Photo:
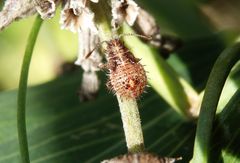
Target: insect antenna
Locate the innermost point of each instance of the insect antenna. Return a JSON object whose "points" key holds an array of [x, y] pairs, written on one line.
{"points": [[96, 47], [137, 35]]}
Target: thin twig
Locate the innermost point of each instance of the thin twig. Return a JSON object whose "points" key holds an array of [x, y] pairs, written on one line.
{"points": [[22, 92]]}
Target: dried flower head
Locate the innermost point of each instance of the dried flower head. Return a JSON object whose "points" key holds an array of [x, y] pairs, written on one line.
{"points": [[141, 158], [90, 82], [77, 16], [124, 10], [147, 26], [14, 10], [88, 40], [46, 8]]}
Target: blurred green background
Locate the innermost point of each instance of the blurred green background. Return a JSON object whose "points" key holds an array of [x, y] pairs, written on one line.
{"points": [[54, 47]]}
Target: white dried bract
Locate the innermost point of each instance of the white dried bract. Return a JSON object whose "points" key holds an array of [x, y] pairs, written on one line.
{"points": [[46, 8], [124, 10], [88, 40], [77, 16], [89, 87], [147, 26], [14, 10], [76, 5], [147, 23]]}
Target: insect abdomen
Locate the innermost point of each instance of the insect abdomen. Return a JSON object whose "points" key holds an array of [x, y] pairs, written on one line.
{"points": [[128, 80]]}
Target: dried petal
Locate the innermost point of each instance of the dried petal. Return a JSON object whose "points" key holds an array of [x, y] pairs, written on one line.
{"points": [[117, 14], [69, 20], [77, 19], [132, 12], [95, 1], [46, 8], [124, 10], [15, 9], [146, 25], [88, 40], [86, 20], [89, 87], [141, 158], [76, 6]]}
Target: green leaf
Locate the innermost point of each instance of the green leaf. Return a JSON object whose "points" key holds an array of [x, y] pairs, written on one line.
{"points": [[61, 129], [228, 127], [216, 81]]}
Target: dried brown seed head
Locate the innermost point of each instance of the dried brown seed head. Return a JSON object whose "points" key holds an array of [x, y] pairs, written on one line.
{"points": [[141, 158]]}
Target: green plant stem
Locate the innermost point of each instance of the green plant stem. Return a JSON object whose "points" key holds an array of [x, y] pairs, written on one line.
{"points": [[217, 78], [128, 106], [22, 92], [131, 124]]}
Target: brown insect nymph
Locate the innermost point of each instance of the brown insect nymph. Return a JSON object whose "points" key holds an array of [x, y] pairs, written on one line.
{"points": [[127, 76]]}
